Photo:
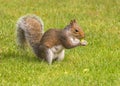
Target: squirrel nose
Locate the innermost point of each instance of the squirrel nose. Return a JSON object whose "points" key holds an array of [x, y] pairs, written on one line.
{"points": [[82, 35]]}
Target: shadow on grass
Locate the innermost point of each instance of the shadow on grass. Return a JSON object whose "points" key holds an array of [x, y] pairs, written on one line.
{"points": [[19, 55]]}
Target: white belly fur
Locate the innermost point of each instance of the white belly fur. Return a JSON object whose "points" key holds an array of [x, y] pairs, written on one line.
{"points": [[57, 51]]}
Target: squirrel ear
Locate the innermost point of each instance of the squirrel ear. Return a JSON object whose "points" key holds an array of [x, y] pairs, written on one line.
{"points": [[73, 21]]}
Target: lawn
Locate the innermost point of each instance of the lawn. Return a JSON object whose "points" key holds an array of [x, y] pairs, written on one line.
{"points": [[97, 64]]}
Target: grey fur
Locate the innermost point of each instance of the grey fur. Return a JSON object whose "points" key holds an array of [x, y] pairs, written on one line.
{"points": [[22, 31]]}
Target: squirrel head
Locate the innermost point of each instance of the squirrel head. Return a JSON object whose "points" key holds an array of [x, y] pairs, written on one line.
{"points": [[76, 30]]}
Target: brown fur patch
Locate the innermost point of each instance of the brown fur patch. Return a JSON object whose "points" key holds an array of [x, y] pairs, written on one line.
{"points": [[51, 38], [33, 30]]}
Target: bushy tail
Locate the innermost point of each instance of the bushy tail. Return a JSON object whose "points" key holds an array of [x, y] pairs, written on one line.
{"points": [[29, 30], [21, 41]]}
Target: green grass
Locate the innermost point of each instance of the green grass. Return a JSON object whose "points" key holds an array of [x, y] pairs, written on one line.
{"points": [[97, 64]]}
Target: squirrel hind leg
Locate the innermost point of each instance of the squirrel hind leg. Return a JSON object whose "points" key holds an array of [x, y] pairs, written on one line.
{"points": [[21, 41], [46, 54], [49, 56]]}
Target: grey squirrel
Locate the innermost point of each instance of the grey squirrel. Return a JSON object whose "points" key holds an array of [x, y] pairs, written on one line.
{"points": [[50, 45]]}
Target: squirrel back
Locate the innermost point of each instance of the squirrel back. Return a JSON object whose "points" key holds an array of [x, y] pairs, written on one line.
{"points": [[29, 30]]}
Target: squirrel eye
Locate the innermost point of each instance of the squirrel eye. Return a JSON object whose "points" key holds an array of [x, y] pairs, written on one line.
{"points": [[76, 30]]}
